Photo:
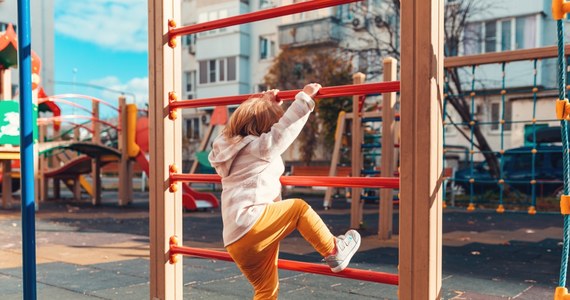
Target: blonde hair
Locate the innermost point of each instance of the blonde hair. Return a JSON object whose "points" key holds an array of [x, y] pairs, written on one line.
{"points": [[255, 116]]}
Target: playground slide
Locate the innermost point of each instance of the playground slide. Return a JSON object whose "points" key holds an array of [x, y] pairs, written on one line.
{"points": [[191, 199], [138, 143]]}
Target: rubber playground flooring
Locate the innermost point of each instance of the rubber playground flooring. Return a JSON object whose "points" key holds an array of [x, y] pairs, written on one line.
{"points": [[86, 252]]}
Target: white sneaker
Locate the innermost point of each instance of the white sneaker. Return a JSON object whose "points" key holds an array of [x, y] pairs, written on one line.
{"points": [[346, 245]]}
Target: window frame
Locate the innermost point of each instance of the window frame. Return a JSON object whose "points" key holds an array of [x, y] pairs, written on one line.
{"points": [[220, 70]]}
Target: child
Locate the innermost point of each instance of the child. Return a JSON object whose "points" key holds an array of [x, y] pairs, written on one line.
{"points": [[247, 155]]}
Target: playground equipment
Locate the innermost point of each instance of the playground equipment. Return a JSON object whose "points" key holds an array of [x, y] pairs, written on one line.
{"points": [[422, 78], [531, 119], [389, 160]]}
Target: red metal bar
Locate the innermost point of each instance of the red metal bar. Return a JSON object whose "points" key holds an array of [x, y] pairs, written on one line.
{"points": [[363, 182], [257, 16], [79, 96], [366, 275], [85, 109], [63, 119], [325, 92]]}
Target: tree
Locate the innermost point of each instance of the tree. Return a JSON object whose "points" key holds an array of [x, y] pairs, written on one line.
{"points": [[295, 67], [380, 22], [457, 33]]}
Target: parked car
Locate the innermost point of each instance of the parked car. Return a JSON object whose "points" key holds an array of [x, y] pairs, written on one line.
{"points": [[517, 168]]}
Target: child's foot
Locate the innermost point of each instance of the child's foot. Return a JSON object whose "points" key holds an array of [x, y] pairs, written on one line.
{"points": [[345, 247]]}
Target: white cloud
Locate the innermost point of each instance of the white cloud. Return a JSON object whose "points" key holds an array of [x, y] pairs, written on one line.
{"points": [[114, 24], [136, 89]]}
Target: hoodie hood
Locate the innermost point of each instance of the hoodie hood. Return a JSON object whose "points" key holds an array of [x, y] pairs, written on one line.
{"points": [[224, 152]]}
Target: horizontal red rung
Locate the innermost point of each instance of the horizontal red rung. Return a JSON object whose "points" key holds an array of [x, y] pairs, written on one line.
{"points": [[379, 182], [325, 92], [257, 16], [291, 265]]}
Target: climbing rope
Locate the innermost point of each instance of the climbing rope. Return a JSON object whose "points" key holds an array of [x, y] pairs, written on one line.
{"points": [[562, 108], [471, 206]]}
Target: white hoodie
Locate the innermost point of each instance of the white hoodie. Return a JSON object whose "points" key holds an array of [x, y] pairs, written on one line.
{"points": [[250, 168]]}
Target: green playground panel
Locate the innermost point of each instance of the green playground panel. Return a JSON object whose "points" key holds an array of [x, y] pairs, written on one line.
{"points": [[10, 122]]}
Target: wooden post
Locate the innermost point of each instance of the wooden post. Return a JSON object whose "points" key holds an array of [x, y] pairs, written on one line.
{"points": [[6, 183], [202, 147], [76, 189], [327, 203], [165, 149], [355, 206], [5, 84], [96, 162], [421, 145], [124, 176], [386, 207], [6, 94]]}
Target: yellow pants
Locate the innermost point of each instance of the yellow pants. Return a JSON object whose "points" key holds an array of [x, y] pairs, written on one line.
{"points": [[256, 253]]}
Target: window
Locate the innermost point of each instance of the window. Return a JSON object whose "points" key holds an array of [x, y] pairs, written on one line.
{"points": [[231, 68], [266, 48], [490, 36], [266, 4], [525, 32], [190, 81], [496, 115], [500, 35], [506, 35], [472, 38], [217, 70], [193, 129], [212, 16], [4, 26]]}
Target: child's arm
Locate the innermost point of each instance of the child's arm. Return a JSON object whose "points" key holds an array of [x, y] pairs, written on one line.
{"points": [[286, 130]]}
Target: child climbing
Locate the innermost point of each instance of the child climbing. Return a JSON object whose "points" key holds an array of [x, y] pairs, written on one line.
{"points": [[247, 155]]}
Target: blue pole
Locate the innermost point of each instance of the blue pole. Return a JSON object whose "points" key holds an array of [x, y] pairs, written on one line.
{"points": [[27, 151]]}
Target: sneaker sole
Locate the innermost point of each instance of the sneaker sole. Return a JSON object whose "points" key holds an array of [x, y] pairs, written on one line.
{"points": [[345, 263]]}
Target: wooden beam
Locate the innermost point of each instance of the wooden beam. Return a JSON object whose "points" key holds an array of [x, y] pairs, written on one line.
{"points": [[356, 149], [327, 203], [503, 56], [124, 193], [165, 212], [96, 163], [421, 149], [386, 207]]}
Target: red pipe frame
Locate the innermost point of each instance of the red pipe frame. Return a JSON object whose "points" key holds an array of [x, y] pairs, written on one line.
{"points": [[325, 92], [256, 16], [331, 181], [366, 275]]}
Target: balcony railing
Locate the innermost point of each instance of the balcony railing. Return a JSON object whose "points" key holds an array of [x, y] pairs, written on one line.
{"points": [[310, 33]]}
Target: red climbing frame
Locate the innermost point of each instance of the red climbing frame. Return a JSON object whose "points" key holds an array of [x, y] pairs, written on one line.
{"points": [[365, 275]]}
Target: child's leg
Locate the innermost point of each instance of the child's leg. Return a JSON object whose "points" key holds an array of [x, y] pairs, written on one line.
{"points": [[256, 253]]}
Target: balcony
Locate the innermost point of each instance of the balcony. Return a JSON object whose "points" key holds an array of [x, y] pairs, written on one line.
{"points": [[311, 33]]}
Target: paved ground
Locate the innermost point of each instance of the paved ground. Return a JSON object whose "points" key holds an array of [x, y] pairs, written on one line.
{"points": [[86, 252]]}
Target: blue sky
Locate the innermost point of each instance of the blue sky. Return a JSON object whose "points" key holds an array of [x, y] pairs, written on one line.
{"points": [[102, 43]]}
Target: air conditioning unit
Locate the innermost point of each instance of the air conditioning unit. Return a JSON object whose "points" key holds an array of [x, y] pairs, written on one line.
{"points": [[359, 23]]}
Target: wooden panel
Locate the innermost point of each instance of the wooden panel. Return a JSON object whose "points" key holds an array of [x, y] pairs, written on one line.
{"points": [[356, 149], [503, 56], [165, 148], [386, 207], [421, 149]]}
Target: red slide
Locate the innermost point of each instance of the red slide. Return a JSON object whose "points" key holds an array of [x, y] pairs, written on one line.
{"points": [[191, 200]]}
